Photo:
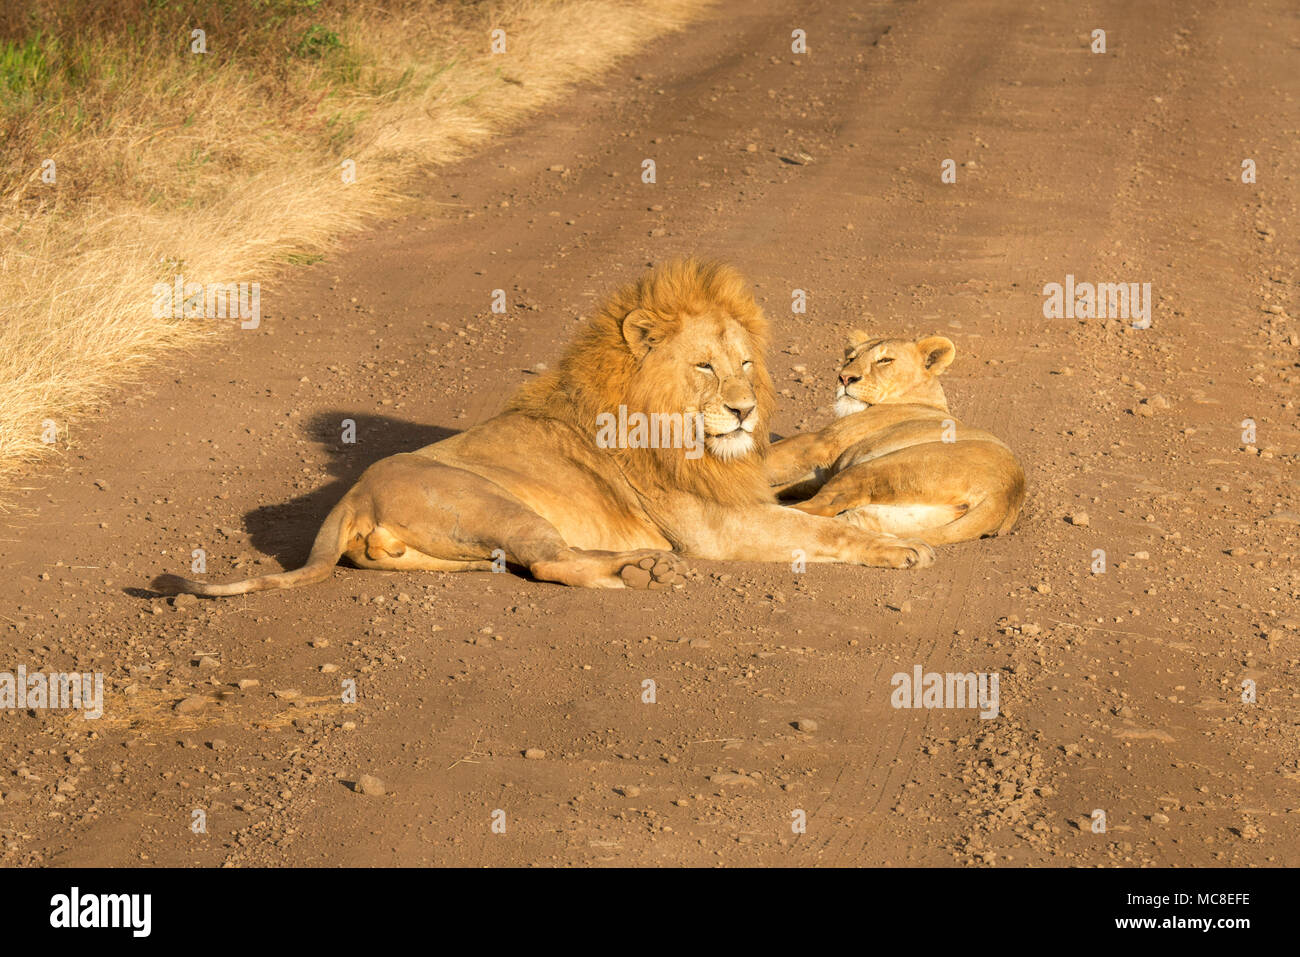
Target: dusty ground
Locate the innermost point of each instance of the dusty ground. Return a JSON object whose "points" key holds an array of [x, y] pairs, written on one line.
{"points": [[1121, 691]]}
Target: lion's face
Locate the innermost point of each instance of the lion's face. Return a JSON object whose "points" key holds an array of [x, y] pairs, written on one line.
{"points": [[707, 365], [877, 371]]}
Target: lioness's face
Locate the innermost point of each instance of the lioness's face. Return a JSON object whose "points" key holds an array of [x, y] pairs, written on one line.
{"points": [[877, 371], [709, 365]]}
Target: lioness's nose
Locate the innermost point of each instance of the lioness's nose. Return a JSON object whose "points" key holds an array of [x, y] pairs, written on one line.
{"points": [[741, 409], [847, 379]]}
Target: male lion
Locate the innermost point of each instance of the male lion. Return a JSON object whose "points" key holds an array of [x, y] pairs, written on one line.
{"points": [[896, 461], [538, 485]]}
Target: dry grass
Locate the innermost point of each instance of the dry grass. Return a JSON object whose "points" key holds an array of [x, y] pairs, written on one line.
{"points": [[226, 166]]}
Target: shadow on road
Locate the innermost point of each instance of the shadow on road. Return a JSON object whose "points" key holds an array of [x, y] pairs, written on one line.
{"points": [[286, 530]]}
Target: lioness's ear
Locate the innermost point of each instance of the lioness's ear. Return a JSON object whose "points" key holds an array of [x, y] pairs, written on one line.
{"points": [[937, 353], [641, 332], [856, 338]]}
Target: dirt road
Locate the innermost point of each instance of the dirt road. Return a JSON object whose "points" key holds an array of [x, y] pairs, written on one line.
{"points": [[1121, 691]]}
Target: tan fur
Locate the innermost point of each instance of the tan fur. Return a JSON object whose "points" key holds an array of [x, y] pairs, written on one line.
{"points": [[534, 487], [884, 465]]}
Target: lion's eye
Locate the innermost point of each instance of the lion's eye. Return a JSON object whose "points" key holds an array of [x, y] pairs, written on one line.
{"points": [[884, 360], [704, 367]]}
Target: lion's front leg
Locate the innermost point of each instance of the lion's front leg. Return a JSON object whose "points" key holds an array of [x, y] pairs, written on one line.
{"points": [[799, 465], [795, 459], [772, 533]]}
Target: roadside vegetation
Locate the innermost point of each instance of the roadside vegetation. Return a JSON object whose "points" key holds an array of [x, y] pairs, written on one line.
{"points": [[142, 139]]}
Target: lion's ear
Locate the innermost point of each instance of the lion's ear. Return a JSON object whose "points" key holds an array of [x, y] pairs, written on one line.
{"points": [[641, 331], [856, 338], [937, 353]]}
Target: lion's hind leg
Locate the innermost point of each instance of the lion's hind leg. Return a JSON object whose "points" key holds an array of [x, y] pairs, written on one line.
{"points": [[590, 568], [443, 518], [918, 493]]}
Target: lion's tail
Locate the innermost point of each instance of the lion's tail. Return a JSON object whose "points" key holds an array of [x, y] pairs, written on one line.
{"points": [[330, 543]]}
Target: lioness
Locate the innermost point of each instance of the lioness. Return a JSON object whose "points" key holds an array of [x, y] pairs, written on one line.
{"points": [[539, 486], [895, 460]]}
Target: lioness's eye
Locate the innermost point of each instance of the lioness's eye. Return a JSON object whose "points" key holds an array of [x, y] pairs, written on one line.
{"points": [[884, 361], [704, 367]]}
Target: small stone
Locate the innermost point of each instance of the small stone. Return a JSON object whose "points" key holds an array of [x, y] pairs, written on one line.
{"points": [[1159, 818], [245, 683], [191, 705], [630, 791], [732, 777], [217, 744], [1078, 519], [806, 725], [328, 669], [370, 786], [534, 754], [184, 600]]}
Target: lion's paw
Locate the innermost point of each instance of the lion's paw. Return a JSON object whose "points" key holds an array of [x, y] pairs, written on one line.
{"points": [[657, 571], [905, 553]]}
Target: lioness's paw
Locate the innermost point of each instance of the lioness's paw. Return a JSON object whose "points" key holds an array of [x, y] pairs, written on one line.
{"points": [[662, 570], [905, 553]]}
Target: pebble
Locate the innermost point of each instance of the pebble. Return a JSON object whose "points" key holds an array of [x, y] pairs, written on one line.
{"points": [[806, 725], [731, 777], [534, 754], [191, 705], [1078, 519], [370, 786]]}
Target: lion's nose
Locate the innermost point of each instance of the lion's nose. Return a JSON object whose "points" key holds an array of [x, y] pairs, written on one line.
{"points": [[741, 409], [847, 380]]}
